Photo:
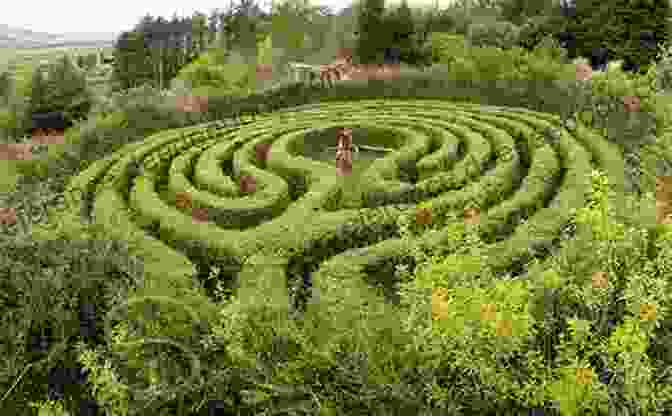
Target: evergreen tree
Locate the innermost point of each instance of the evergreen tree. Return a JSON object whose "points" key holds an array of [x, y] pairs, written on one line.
{"points": [[67, 89], [213, 27], [6, 86], [399, 24], [372, 37], [517, 11], [39, 90], [617, 25], [131, 66]]}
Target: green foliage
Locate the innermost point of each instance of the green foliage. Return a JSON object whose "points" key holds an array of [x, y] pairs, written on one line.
{"points": [[232, 78], [502, 35], [372, 38], [39, 92], [67, 89], [617, 24], [518, 11]]}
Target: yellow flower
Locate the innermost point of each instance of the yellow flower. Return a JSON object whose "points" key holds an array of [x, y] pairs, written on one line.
{"points": [[504, 328], [600, 280], [440, 306], [488, 312], [584, 376], [647, 312]]}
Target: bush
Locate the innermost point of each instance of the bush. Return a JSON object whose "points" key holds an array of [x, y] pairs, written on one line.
{"points": [[502, 35], [231, 78]]}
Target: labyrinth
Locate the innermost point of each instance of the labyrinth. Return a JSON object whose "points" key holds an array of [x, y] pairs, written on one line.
{"points": [[175, 197]]}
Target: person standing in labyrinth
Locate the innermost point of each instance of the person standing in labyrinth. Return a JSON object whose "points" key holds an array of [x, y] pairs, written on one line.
{"points": [[344, 152]]}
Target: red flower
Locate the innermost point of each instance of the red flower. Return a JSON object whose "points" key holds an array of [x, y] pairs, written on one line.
{"points": [[248, 184], [583, 72], [8, 216], [199, 214], [192, 104], [262, 150], [264, 71], [631, 103]]}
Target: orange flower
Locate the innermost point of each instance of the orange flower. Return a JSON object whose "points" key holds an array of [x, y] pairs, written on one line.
{"points": [[504, 328], [199, 214], [8, 216], [488, 312], [423, 216], [583, 72], [631, 103], [584, 376], [472, 216], [183, 200], [600, 280], [647, 312]]}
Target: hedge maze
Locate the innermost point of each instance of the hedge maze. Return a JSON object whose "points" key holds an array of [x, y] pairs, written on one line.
{"points": [[176, 197]]}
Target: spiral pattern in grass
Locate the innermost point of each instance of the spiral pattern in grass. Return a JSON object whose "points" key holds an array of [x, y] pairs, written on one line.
{"points": [[299, 221]]}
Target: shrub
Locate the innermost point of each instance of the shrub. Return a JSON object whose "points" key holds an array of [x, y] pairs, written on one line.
{"points": [[502, 35]]}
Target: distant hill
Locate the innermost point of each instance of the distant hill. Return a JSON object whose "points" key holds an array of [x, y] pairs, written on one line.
{"points": [[16, 38]]}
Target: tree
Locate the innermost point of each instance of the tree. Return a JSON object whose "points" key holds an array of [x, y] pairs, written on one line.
{"points": [[68, 90], [213, 26], [297, 29], [618, 26], [6, 86], [516, 11], [132, 66], [372, 36], [400, 25], [39, 90]]}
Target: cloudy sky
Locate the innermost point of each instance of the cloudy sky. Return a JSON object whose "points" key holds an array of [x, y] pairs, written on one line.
{"points": [[68, 16]]}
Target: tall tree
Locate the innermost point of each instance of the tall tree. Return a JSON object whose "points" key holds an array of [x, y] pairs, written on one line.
{"points": [[68, 89], [372, 37], [131, 66], [39, 92], [199, 30], [213, 26]]}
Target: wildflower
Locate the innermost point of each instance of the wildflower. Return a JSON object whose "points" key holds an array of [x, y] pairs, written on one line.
{"points": [[192, 104], [504, 328], [199, 214], [423, 216], [647, 312], [631, 104], [248, 184], [488, 312], [8, 216], [183, 200], [600, 280], [472, 216], [264, 71], [440, 306], [583, 72], [584, 376], [262, 150]]}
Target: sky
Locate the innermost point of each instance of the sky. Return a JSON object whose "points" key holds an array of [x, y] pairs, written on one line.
{"points": [[84, 16]]}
